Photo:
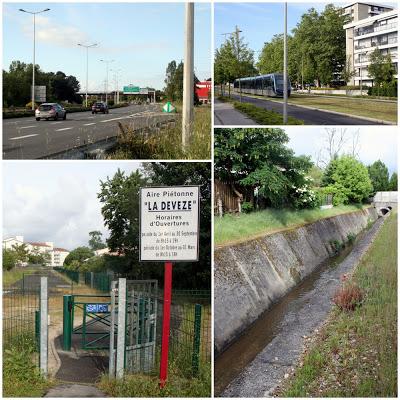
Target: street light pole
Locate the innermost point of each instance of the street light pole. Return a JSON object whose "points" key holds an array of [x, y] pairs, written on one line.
{"points": [[236, 33], [87, 67], [107, 62], [285, 82], [188, 79], [34, 49], [116, 72]]}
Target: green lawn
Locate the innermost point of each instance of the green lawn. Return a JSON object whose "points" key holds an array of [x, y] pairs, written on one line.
{"points": [[386, 111], [240, 227], [355, 355]]}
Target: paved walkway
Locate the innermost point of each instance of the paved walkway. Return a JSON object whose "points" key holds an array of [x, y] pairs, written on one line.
{"points": [[225, 114], [74, 390]]}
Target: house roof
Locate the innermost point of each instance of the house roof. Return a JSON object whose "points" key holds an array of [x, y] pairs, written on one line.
{"points": [[38, 244], [60, 249]]}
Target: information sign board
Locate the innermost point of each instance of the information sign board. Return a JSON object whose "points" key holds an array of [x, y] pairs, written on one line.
{"points": [[169, 223]]}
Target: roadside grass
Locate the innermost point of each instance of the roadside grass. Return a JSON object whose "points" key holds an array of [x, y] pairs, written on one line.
{"points": [[386, 111], [166, 144], [140, 385], [16, 274], [261, 115], [237, 227], [355, 354], [21, 376]]}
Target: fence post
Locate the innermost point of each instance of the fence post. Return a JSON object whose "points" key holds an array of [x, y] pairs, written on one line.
{"points": [[37, 329], [91, 279], [196, 339], [121, 328], [67, 322], [111, 367], [44, 328]]}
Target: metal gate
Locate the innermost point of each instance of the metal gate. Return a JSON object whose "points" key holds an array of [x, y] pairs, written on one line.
{"points": [[94, 331], [133, 345]]}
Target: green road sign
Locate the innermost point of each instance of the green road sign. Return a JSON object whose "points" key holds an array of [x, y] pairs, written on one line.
{"points": [[169, 108], [131, 89]]}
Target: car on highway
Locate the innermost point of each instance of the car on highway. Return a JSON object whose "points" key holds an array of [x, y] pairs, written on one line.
{"points": [[100, 106], [50, 110]]}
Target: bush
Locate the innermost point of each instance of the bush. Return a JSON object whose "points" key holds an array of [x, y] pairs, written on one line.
{"points": [[348, 297], [247, 207], [304, 197], [29, 105], [351, 238], [387, 89]]}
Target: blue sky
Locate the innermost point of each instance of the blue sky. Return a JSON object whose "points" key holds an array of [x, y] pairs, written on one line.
{"points": [[141, 37], [259, 22]]}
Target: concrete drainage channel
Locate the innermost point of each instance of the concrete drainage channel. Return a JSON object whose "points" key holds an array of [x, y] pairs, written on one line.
{"points": [[256, 363], [101, 148]]}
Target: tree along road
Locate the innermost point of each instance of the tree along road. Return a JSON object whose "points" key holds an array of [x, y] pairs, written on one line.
{"points": [[26, 138], [310, 117]]}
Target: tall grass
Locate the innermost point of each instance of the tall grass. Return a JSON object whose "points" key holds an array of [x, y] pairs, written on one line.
{"points": [[231, 228], [167, 143], [356, 353]]}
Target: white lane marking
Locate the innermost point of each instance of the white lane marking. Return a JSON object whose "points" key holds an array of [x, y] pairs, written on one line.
{"points": [[23, 137], [114, 119], [25, 127], [92, 123], [63, 129], [58, 122]]}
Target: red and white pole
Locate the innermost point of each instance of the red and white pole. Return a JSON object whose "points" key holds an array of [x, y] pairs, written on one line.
{"points": [[166, 323]]}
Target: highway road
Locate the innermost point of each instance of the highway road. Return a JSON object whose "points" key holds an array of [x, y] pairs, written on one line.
{"points": [[26, 138], [310, 117]]}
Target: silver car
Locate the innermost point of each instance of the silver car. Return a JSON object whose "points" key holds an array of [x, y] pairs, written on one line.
{"points": [[50, 110]]}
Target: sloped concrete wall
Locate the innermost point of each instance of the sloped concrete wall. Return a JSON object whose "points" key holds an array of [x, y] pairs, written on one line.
{"points": [[250, 276]]}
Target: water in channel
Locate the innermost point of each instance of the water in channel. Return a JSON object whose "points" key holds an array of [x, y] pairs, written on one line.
{"points": [[240, 353]]}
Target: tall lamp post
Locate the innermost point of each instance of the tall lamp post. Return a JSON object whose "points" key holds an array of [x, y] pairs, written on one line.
{"points": [[285, 82], [236, 33], [34, 48], [107, 62], [116, 74], [87, 47]]}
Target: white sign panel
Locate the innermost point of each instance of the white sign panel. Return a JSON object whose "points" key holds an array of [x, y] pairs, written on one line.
{"points": [[40, 93], [169, 223]]}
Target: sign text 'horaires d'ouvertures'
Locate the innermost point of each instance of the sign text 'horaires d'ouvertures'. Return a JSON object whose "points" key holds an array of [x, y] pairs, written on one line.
{"points": [[169, 223]]}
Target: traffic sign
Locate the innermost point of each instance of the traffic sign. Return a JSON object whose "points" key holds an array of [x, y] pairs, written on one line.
{"points": [[169, 108], [130, 89], [40, 93], [169, 223]]}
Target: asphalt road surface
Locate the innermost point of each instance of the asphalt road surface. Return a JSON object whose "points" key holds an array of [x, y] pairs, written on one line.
{"points": [[26, 138], [310, 117]]}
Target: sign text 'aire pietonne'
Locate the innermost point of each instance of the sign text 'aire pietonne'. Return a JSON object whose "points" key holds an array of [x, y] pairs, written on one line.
{"points": [[169, 223]]}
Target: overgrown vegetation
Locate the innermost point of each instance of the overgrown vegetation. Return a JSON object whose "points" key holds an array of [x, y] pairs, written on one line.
{"points": [[231, 228], [166, 143], [147, 385], [21, 376], [355, 355]]}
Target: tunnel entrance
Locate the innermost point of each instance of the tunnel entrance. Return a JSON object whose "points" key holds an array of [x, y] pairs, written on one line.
{"points": [[384, 211]]}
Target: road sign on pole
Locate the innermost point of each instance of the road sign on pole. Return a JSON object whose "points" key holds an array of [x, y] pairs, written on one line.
{"points": [[169, 231]]}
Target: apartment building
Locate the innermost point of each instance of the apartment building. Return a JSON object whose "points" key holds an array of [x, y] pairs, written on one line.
{"points": [[371, 26], [57, 255]]}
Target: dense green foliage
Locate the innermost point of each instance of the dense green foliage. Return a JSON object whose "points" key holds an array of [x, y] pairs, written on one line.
{"points": [[348, 180], [233, 60], [379, 176], [9, 259], [95, 241], [258, 160], [77, 257], [393, 182], [382, 71], [316, 50], [17, 83], [120, 198]]}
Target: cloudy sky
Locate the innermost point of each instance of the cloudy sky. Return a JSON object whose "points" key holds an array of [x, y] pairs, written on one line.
{"points": [[375, 143], [55, 201], [141, 38]]}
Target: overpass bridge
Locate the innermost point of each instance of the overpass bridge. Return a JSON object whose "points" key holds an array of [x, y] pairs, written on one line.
{"points": [[385, 201]]}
